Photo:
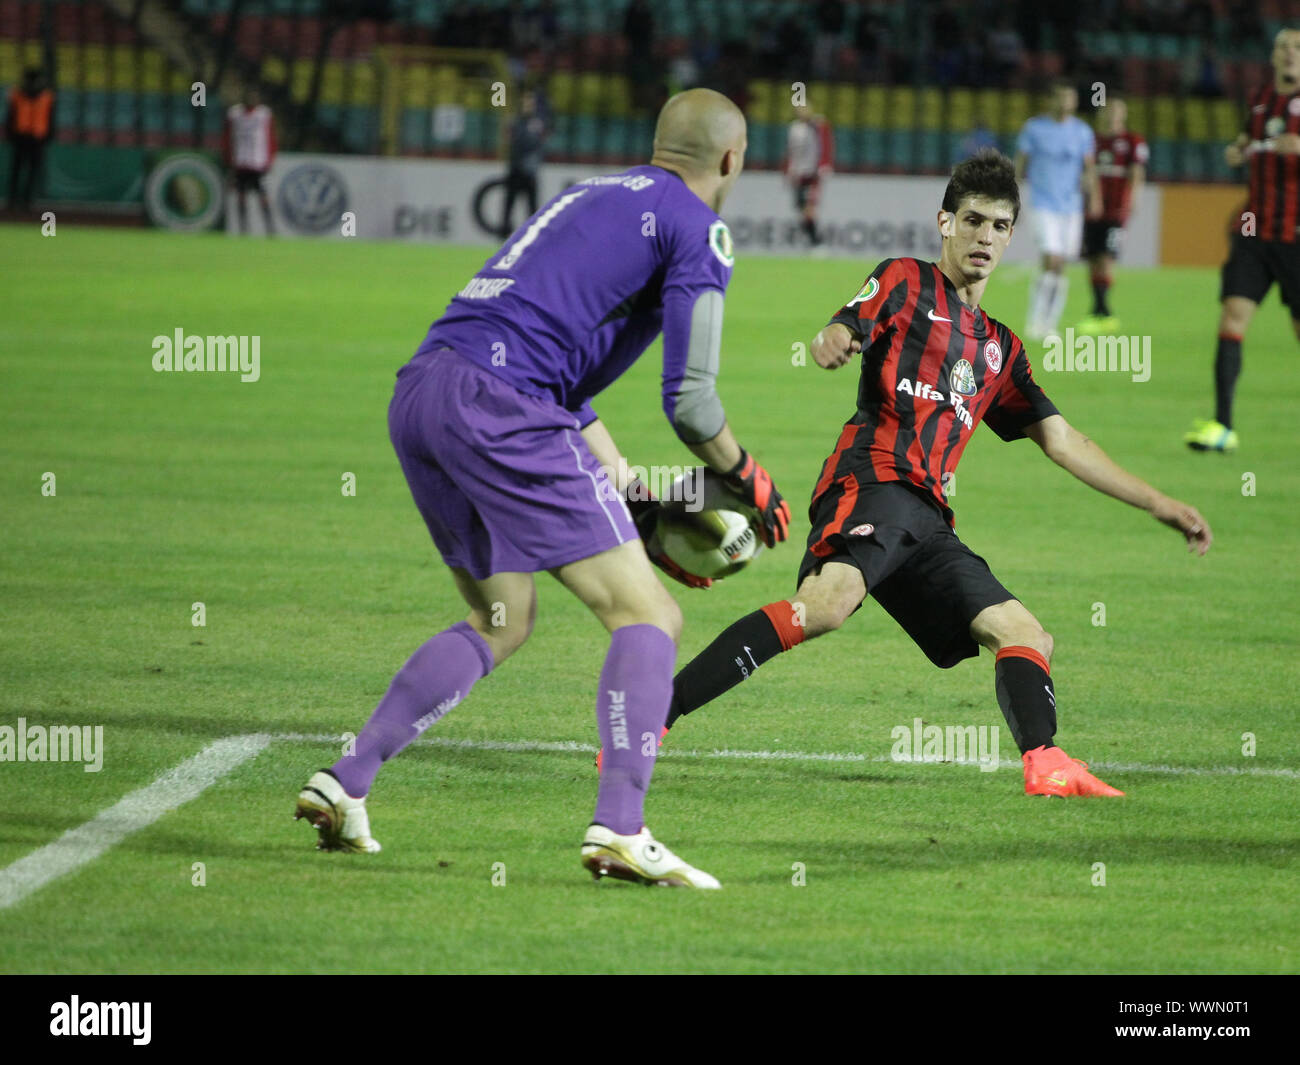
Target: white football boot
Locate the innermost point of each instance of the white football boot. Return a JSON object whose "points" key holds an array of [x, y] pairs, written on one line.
{"points": [[339, 818], [640, 858]]}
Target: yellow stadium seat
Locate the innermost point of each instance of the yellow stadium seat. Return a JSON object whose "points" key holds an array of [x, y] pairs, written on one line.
{"points": [[1196, 119], [590, 94], [1226, 120], [844, 105], [10, 68], [333, 82], [818, 97], [153, 70], [760, 101], [618, 96], [1164, 114], [901, 111], [123, 62], [931, 109], [1017, 109], [1139, 115], [416, 85], [94, 67], [560, 92], [988, 108], [274, 70], [960, 111], [873, 106], [364, 85]]}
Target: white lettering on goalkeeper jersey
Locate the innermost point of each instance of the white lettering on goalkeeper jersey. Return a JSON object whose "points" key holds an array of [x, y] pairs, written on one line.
{"points": [[485, 288]]}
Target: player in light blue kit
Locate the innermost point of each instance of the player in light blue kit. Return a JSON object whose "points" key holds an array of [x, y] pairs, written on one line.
{"points": [[506, 459], [1057, 153]]}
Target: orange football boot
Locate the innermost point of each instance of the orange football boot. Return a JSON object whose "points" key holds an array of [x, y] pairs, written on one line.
{"points": [[1050, 771]]}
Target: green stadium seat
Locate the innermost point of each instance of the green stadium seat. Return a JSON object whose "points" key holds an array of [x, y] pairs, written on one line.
{"points": [[1163, 164], [930, 152], [874, 147], [760, 150], [560, 141], [415, 130], [848, 148], [66, 105], [586, 136], [153, 112], [359, 129], [1195, 162], [902, 150], [956, 148]]}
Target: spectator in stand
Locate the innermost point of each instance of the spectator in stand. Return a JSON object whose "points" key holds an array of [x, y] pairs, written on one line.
{"points": [[527, 143], [1205, 81], [248, 146], [830, 19], [29, 126], [642, 71], [1006, 52]]}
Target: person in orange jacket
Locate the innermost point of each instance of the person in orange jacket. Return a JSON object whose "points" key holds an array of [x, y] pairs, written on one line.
{"points": [[29, 126]]}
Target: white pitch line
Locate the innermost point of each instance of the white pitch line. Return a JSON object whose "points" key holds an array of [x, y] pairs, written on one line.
{"points": [[133, 812], [573, 747], [188, 780]]}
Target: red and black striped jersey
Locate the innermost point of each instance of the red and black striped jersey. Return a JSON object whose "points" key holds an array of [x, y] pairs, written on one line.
{"points": [[932, 370], [1117, 154], [1274, 176]]}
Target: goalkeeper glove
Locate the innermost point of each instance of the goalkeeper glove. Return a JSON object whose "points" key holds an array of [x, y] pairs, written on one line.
{"points": [[645, 513], [753, 484]]}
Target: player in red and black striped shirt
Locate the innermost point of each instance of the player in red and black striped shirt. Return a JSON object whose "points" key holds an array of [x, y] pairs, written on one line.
{"points": [[1121, 168], [1265, 246], [934, 365]]}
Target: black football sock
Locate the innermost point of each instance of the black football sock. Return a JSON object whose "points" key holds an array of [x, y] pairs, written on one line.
{"points": [[1100, 286], [810, 227], [733, 656], [1026, 696], [1227, 368]]}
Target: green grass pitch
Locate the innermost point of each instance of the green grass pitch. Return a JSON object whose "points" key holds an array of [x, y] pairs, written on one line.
{"points": [[176, 489]]}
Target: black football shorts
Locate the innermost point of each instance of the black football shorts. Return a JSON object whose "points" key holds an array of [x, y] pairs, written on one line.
{"points": [[1102, 237], [914, 565], [1253, 265]]}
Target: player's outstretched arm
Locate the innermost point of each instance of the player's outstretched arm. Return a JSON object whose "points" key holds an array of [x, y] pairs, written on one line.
{"points": [[1073, 451], [834, 346]]}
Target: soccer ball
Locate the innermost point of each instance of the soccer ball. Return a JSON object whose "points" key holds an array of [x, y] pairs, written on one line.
{"points": [[705, 528]]}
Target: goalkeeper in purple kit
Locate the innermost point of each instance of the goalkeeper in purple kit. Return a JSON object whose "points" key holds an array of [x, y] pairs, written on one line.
{"points": [[509, 465]]}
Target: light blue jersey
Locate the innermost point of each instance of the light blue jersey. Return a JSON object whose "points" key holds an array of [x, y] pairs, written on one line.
{"points": [[1056, 151]]}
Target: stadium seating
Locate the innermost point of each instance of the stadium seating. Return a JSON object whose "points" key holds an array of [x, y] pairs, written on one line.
{"points": [[117, 89]]}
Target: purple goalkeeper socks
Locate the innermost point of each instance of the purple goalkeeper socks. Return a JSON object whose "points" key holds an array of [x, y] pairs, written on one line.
{"points": [[636, 685], [437, 677]]}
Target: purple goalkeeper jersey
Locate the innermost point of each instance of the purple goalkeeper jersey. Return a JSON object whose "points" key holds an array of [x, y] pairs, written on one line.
{"points": [[584, 286]]}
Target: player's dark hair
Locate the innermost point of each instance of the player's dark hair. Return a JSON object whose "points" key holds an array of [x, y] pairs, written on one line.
{"points": [[987, 173]]}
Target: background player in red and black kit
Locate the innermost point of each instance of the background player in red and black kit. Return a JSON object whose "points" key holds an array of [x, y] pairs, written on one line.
{"points": [[934, 365], [1264, 247], [1121, 167]]}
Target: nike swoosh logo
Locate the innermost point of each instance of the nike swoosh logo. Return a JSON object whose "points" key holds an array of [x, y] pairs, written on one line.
{"points": [[1058, 780], [935, 317]]}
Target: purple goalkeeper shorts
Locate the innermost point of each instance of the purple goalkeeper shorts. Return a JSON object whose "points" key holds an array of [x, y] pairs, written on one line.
{"points": [[504, 480]]}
